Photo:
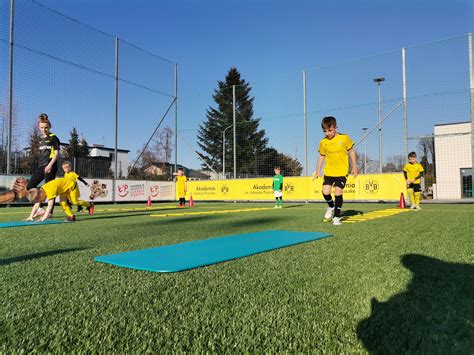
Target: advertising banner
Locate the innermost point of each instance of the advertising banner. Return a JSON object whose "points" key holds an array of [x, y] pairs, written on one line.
{"points": [[100, 190], [376, 187]]}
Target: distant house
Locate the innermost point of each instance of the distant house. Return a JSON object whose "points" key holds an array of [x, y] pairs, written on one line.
{"points": [[98, 150], [453, 147], [160, 169]]}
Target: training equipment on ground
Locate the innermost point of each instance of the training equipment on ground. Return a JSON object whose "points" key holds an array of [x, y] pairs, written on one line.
{"points": [[29, 224], [401, 203], [191, 201], [148, 202], [190, 255]]}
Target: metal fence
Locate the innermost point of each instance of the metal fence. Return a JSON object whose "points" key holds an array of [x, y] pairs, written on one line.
{"points": [[423, 88], [121, 101], [104, 96]]}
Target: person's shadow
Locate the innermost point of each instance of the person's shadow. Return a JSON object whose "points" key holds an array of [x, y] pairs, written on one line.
{"points": [[434, 315]]}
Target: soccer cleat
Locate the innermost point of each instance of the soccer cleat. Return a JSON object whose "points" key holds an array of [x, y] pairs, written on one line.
{"points": [[70, 219], [39, 212], [329, 213], [413, 207], [276, 206], [417, 208], [79, 208], [280, 206], [90, 209], [336, 221]]}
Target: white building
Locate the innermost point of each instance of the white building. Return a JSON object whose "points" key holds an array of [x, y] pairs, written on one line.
{"points": [[453, 149], [98, 150]]}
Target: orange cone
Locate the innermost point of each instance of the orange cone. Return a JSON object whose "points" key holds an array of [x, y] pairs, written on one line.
{"points": [[401, 204], [191, 201], [148, 203]]}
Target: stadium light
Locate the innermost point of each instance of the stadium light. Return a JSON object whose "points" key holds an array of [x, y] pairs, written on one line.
{"points": [[365, 149], [378, 81]]}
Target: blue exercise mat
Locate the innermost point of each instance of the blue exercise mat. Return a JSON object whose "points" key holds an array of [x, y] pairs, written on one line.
{"points": [[190, 255], [29, 224]]}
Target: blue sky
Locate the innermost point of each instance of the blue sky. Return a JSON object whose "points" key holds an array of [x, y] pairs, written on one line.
{"points": [[270, 42]]}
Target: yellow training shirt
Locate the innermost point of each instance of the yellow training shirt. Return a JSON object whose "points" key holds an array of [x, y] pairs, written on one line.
{"points": [[57, 187], [71, 175], [180, 181], [413, 170], [335, 151]]}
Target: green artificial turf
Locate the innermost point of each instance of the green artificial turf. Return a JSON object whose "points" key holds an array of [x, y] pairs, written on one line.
{"points": [[397, 284]]}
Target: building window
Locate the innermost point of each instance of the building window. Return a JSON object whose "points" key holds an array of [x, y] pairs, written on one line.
{"points": [[466, 183]]}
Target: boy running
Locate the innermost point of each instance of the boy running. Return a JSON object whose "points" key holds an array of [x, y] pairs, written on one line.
{"points": [[335, 148]]}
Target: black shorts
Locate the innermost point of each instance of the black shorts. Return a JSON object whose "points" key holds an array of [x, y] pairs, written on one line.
{"points": [[338, 181], [415, 187]]}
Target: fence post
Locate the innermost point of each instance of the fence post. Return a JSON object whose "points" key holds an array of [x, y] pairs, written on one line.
{"points": [[471, 86], [405, 116], [114, 180], [305, 114], [10, 88], [175, 117], [235, 132]]}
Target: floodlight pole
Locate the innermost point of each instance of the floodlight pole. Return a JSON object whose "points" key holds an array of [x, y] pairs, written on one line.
{"points": [[235, 133], [10, 89], [471, 86], [175, 117], [305, 116], [405, 115], [365, 149], [378, 81], [114, 181]]}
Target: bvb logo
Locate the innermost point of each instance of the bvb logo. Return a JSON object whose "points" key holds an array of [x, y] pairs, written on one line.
{"points": [[289, 188], [225, 189], [371, 186]]}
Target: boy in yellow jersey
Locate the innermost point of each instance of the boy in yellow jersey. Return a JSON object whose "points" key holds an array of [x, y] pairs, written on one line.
{"points": [[76, 194], [413, 172], [181, 186], [62, 187], [335, 148]]}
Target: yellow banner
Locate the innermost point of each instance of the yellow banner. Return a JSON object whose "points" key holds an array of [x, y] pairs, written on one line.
{"points": [[364, 187]]}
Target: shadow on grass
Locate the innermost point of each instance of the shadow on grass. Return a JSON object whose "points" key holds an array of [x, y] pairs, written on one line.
{"points": [[44, 254], [349, 213], [434, 315], [248, 222], [292, 206]]}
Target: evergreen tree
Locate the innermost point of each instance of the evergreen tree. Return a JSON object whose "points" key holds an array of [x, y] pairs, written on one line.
{"points": [[73, 149], [83, 148], [251, 143]]}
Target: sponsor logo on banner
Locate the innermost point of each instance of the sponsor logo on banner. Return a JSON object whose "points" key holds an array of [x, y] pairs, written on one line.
{"points": [[289, 188], [137, 190], [225, 189], [154, 190], [350, 187], [371, 186], [122, 190]]}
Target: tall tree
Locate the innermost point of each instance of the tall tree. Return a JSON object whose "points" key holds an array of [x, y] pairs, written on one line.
{"points": [[251, 142], [83, 148], [73, 148]]}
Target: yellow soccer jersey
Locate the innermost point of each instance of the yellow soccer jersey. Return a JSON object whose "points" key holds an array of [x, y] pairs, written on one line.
{"points": [[57, 187], [180, 183], [335, 151], [71, 175], [413, 170]]}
